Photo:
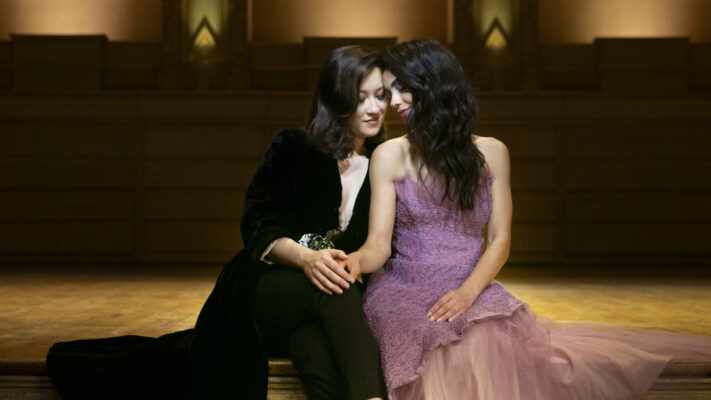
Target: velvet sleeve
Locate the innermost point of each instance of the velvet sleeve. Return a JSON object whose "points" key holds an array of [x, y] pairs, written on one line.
{"points": [[267, 214]]}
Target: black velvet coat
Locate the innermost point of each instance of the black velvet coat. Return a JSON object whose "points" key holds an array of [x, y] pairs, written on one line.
{"points": [[295, 190]]}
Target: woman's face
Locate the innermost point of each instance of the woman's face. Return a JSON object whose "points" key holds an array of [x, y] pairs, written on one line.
{"points": [[368, 117], [400, 96]]}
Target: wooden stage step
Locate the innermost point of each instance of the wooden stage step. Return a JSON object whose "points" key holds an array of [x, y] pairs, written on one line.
{"points": [[28, 381]]}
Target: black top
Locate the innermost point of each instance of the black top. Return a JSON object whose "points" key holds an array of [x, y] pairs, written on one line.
{"points": [[295, 190]]}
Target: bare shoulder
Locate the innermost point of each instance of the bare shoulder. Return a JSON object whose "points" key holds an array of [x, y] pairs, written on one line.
{"points": [[491, 147], [496, 155], [390, 156], [393, 150]]}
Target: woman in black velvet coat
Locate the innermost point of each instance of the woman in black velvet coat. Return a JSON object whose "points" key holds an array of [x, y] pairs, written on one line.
{"points": [[305, 304], [277, 297]]}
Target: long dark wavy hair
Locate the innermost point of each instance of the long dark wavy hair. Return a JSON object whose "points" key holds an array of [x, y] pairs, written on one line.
{"points": [[442, 116], [336, 99]]}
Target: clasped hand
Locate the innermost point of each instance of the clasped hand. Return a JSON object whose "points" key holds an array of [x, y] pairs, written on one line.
{"points": [[328, 271], [450, 306]]}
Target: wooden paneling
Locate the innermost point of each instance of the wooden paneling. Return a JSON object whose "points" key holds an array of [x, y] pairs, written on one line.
{"points": [[652, 142], [23, 238], [37, 140], [66, 173], [57, 62], [643, 239], [533, 174], [189, 236], [569, 67], [635, 64], [66, 205], [5, 65], [700, 66], [533, 238], [277, 66], [194, 204], [651, 175], [203, 141], [532, 206], [132, 65], [200, 173], [641, 207], [160, 177]]}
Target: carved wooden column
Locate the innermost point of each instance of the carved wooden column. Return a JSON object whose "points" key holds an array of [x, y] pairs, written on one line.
{"points": [[528, 42], [465, 41], [169, 74], [238, 50]]}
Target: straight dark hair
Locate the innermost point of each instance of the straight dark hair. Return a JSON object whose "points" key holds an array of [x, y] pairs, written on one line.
{"points": [[442, 117], [336, 99]]}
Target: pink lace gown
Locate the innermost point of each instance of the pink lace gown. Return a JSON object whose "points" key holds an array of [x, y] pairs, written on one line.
{"points": [[498, 349]]}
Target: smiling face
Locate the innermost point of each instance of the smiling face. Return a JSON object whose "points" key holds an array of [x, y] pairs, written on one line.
{"points": [[400, 96], [368, 116]]}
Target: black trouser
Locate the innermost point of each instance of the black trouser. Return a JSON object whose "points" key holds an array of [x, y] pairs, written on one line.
{"points": [[326, 336]]}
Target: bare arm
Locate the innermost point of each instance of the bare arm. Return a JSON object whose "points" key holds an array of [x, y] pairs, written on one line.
{"points": [[322, 267], [385, 166], [455, 302]]}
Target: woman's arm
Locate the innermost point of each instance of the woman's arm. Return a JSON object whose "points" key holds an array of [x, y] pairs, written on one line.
{"points": [[386, 164], [266, 218], [324, 268], [455, 302]]}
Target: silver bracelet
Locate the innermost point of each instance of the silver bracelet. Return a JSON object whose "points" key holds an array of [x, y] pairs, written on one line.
{"points": [[315, 242]]}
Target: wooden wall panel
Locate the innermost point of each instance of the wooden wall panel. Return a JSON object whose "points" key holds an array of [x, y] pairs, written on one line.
{"points": [[637, 175], [533, 174], [66, 173], [68, 239], [160, 177], [534, 206], [654, 142], [131, 65], [200, 172], [203, 141], [533, 238], [642, 207], [188, 236], [642, 239], [92, 141], [5, 65], [194, 204], [66, 205], [700, 66]]}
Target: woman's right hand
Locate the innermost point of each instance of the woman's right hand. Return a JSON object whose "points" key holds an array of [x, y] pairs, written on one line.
{"points": [[325, 269]]}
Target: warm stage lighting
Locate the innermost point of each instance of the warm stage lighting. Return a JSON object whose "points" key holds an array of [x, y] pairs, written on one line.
{"points": [[204, 43], [496, 40], [119, 20], [581, 21], [205, 39]]}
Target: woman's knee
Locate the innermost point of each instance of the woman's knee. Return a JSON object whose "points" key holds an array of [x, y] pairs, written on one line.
{"points": [[350, 299]]}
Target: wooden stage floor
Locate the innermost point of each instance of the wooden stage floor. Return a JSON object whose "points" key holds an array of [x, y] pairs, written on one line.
{"points": [[41, 305]]}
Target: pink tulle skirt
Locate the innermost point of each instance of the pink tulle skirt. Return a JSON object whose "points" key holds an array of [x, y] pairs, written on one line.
{"points": [[529, 357]]}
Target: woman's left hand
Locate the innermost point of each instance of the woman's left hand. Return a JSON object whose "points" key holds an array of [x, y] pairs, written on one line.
{"points": [[451, 305]]}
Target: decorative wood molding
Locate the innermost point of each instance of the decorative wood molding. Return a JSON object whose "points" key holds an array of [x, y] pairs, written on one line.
{"points": [[172, 31], [237, 56], [464, 34], [528, 41]]}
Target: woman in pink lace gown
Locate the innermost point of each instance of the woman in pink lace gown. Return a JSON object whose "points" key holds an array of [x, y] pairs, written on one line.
{"points": [[440, 223]]}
